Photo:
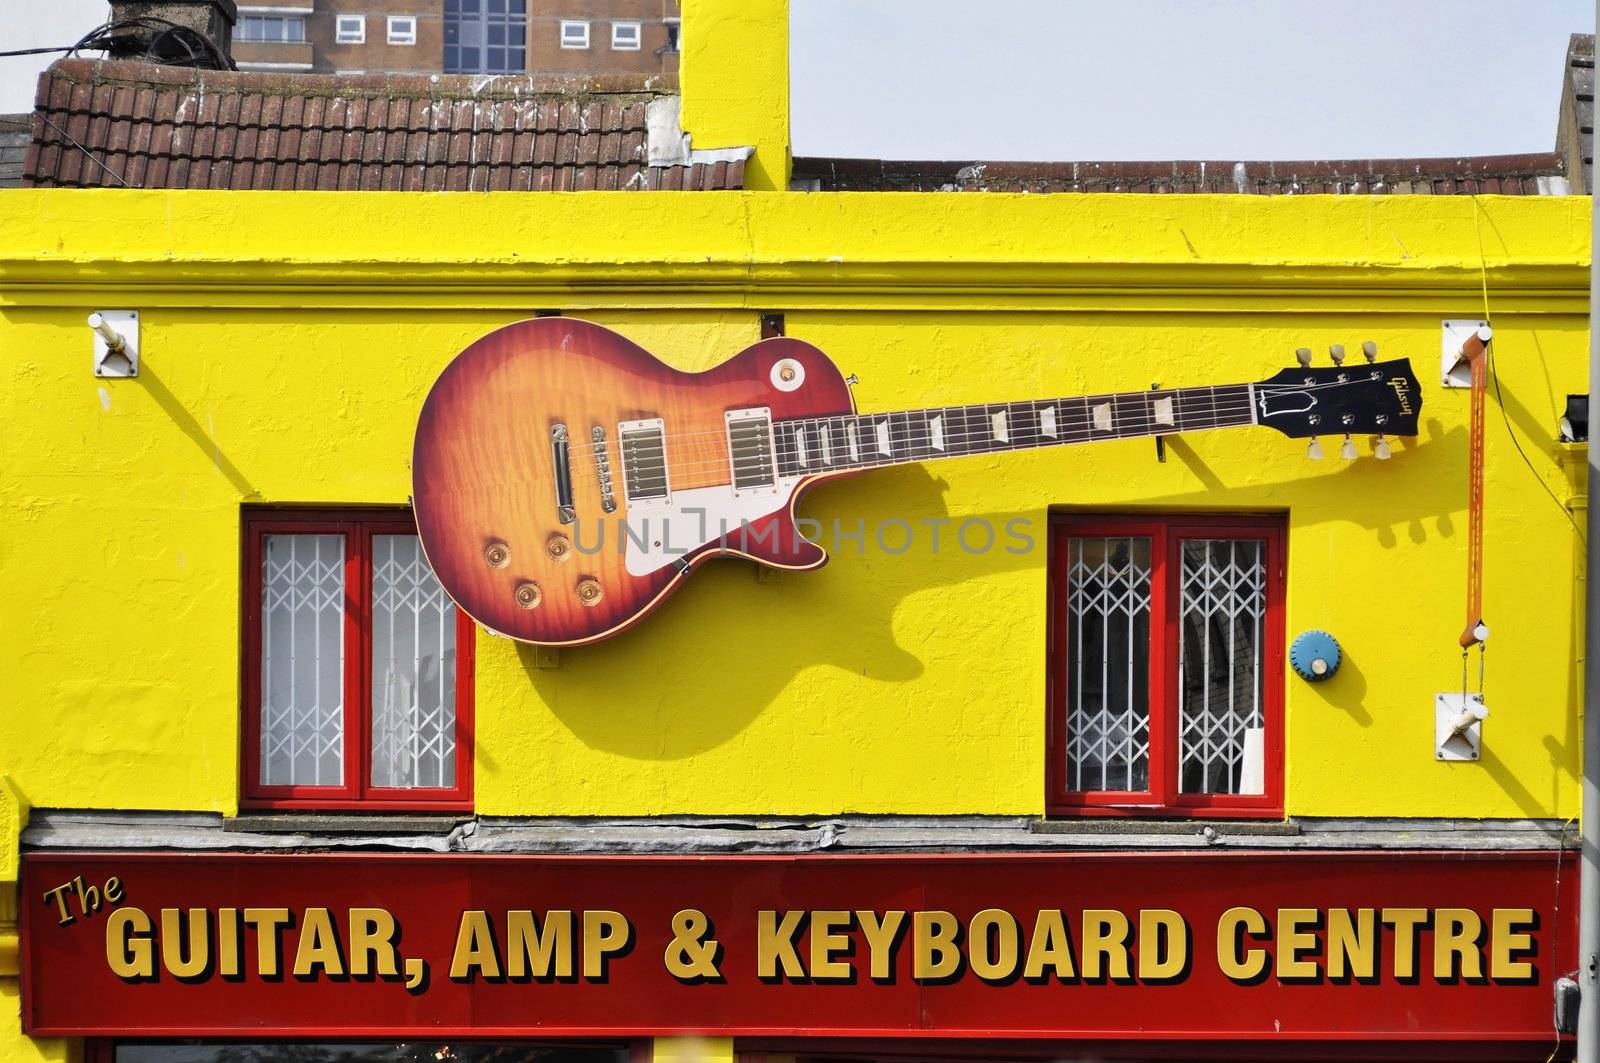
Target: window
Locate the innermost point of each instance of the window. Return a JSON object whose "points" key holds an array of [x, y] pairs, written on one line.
{"points": [[673, 27], [1166, 665], [350, 29], [357, 668], [624, 36], [485, 36], [574, 34], [402, 29], [275, 29]]}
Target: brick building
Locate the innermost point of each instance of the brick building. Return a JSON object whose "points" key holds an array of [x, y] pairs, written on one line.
{"points": [[570, 37]]}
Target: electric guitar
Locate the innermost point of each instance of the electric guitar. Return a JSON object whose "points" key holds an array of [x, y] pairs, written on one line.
{"points": [[566, 481]]}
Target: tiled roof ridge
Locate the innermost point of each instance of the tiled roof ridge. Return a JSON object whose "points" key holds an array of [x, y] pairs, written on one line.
{"points": [[1445, 175], [486, 87]]}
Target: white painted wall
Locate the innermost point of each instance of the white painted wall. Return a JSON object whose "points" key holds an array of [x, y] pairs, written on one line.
{"points": [[29, 24]]}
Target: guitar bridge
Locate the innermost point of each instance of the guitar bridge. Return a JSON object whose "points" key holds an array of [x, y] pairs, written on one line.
{"points": [[602, 468]]}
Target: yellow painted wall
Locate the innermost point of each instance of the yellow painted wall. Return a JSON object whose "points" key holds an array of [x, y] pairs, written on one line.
{"points": [[288, 367]]}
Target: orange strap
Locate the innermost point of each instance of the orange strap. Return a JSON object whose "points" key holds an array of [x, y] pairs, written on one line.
{"points": [[1476, 354]]}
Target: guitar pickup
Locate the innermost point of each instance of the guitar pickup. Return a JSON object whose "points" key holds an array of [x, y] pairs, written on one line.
{"points": [[602, 468], [563, 467]]}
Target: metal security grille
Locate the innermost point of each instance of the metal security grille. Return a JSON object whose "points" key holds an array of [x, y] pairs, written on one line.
{"points": [[302, 654], [1223, 591], [413, 669], [1108, 732]]}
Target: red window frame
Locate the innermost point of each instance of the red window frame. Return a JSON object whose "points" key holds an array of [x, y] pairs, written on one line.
{"points": [[1163, 798], [358, 527]]}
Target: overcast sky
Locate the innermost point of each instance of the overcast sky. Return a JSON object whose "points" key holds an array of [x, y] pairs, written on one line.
{"points": [[1131, 79], [1177, 79]]}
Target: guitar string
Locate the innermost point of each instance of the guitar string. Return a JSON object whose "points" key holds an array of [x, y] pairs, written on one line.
{"points": [[1184, 395]]}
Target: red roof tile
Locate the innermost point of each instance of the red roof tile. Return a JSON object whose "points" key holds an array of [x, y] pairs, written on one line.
{"points": [[113, 122]]}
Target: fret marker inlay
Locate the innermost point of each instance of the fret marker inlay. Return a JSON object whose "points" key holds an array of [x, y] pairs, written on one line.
{"points": [[800, 445], [855, 448], [827, 446], [883, 437], [936, 432], [1161, 412], [1047, 422], [1102, 416], [998, 424]]}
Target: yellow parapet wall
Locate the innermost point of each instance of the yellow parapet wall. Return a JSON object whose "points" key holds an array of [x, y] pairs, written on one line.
{"points": [[288, 340]]}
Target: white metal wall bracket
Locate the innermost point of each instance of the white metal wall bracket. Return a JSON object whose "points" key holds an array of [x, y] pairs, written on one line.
{"points": [[1458, 726], [1454, 371], [116, 343]]}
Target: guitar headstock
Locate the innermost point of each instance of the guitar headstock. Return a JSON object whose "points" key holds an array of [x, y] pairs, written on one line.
{"points": [[1375, 398]]}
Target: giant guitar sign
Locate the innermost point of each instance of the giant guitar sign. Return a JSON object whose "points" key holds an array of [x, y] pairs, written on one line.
{"points": [[566, 481]]}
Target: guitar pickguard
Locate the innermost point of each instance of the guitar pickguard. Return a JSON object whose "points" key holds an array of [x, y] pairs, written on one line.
{"points": [[655, 537]]}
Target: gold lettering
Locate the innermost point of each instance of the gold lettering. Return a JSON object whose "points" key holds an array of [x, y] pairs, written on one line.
{"points": [[1297, 934], [129, 951], [185, 959], [319, 946], [1352, 944], [268, 924], [1406, 923], [372, 948], [59, 895], [775, 945], [992, 938], [1158, 927], [1241, 965], [534, 951], [830, 937], [1457, 935], [881, 934], [114, 890], [604, 934], [1050, 948], [1512, 936], [474, 953], [1105, 944], [228, 934], [934, 950]]}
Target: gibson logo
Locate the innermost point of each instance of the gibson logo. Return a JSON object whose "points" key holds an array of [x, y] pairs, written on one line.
{"points": [[1400, 392]]}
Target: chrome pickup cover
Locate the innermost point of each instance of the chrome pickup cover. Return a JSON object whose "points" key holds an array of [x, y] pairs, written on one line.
{"points": [[643, 447], [750, 454]]}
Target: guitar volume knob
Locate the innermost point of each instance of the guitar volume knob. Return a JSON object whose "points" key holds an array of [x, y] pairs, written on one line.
{"points": [[497, 554], [529, 595], [590, 592], [559, 547]]}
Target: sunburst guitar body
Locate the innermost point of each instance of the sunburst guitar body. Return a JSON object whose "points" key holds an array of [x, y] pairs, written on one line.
{"points": [[565, 480]]}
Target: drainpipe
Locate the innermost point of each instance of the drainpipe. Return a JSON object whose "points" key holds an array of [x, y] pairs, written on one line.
{"points": [[1589, 889]]}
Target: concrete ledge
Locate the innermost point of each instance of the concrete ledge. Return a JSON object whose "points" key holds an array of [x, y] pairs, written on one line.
{"points": [[62, 829]]}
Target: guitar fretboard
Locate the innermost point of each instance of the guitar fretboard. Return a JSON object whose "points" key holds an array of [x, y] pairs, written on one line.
{"points": [[814, 445]]}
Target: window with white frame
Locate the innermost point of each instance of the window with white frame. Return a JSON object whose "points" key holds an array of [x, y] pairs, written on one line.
{"points": [[574, 34], [271, 29], [625, 36], [350, 29], [402, 29], [674, 29]]}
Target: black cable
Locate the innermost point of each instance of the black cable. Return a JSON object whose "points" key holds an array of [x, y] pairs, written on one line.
{"points": [[1494, 374], [35, 51]]}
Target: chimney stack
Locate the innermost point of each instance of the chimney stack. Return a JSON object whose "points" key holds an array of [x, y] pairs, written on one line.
{"points": [[211, 19]]}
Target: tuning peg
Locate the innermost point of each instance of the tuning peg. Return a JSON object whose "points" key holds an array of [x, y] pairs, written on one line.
{"points": [[1348, 451], [1314, 451], [1303, 356], [1336, 352], [1380, 449], [1370, 349]]}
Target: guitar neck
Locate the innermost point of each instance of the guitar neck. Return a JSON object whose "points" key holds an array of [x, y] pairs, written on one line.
{"points": [[812, 445]]}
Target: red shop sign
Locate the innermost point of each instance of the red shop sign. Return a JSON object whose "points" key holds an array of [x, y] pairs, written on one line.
{"points": [[1230, 946]]}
